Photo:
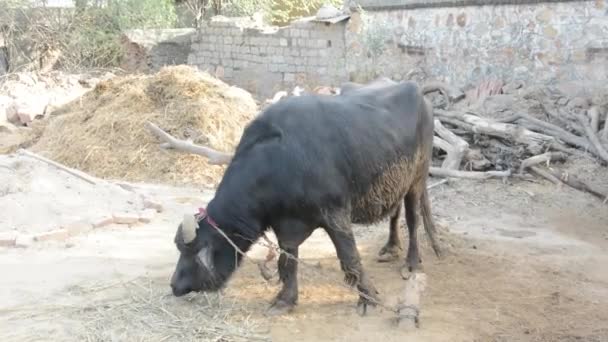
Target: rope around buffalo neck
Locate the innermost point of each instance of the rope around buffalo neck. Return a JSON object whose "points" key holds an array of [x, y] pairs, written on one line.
{"points": [[204, 215]]}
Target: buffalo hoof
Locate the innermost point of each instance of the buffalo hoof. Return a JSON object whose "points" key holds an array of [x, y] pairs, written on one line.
{"points": [[279, 308], [365, 302], [407, 270], [389, 253]]}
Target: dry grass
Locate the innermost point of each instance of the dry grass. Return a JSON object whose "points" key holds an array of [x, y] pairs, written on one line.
{"points": [[140, 310], [145, 312], [104, 134]]}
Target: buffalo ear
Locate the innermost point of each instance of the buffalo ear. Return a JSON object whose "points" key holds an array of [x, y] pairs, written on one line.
{"points": [[189, 226]]}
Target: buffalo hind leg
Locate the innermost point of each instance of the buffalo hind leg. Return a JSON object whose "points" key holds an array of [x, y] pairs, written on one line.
{"points": [[411, 201], [342, 237], [393, 247], [290, 236]]}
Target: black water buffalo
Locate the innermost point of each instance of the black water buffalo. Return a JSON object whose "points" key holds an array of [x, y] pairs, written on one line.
{"points": [[315, 161]]}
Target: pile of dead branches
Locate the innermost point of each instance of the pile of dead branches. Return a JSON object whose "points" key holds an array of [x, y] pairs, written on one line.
{"points": [[527, 128]]}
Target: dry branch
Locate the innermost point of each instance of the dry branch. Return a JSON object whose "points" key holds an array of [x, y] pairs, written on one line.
{"points": [[85, 177], [593, 138], [564, 118], [441, 172], [556, 176], [578, 184], [214, 157]]}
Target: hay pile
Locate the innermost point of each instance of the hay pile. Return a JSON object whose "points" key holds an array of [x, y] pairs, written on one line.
{"points": [[104, 133]]}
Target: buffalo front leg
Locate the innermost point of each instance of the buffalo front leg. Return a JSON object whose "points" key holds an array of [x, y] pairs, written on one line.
{"points": [[343, 239], [392, 248], [290, 235]]}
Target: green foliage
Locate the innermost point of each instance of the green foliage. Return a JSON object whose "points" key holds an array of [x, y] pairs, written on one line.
{"points": [[277, 12], [87, 37], [143, 14], [284, 11]]}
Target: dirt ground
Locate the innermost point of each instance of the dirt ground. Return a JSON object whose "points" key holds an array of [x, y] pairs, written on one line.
{"points": [[525, 262]]}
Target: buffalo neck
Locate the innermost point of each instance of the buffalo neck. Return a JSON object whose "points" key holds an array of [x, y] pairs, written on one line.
{"points": [[235, 219]]}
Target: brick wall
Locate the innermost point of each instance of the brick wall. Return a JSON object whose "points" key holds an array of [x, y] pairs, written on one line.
{"points": [[265, 61]]}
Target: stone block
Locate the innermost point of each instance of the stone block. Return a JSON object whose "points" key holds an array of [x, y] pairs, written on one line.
{"points": [[283, 42], [289, 77]]}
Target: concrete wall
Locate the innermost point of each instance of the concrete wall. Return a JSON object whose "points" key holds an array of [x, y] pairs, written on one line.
{"points": [[266, 60], [556, 42]]}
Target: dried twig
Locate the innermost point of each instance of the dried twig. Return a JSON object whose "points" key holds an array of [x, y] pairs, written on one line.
{"points": [[86, 177]]}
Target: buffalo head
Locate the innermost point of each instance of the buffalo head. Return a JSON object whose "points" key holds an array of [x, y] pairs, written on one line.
{"points": [[206, 258]]}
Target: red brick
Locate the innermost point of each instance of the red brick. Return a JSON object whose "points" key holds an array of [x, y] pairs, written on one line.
{"points": [[103, 221], [52, 235], [78, 227], [149, 204], [147, 215], [125, 218], [8, 239]]}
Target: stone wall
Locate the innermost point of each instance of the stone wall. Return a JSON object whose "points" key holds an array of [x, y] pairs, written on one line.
{"points": [[264, 60], [149, 50], [557, 42]]}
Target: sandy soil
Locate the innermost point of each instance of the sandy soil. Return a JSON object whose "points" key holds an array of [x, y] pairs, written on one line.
{"points": [[526, 262]]}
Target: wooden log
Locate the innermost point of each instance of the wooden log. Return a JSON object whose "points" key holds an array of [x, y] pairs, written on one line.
{"points": [[458, 149], [601, 152], [594, 116], [441, 172], [536, 142]]}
